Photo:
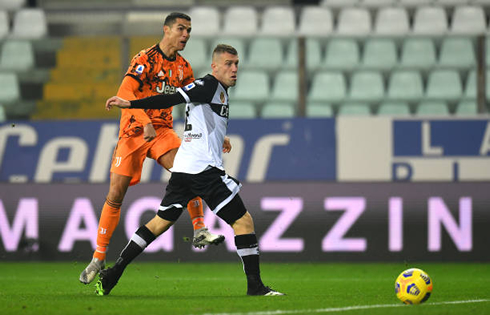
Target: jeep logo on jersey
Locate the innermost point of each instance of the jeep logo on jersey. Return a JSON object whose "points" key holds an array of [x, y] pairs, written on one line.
{"points": [[189, 136], [166, 89]]}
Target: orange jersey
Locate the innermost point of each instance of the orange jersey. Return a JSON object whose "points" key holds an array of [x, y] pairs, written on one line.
{"points": [[151, 73]]}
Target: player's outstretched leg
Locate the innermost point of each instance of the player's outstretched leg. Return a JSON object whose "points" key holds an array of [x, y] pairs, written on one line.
{"points": [[109, 218], [202, 236]]}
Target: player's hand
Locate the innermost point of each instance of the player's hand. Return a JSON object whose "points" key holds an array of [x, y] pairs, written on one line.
{"points": [[149, 132], [116, 101], [226, 145]]}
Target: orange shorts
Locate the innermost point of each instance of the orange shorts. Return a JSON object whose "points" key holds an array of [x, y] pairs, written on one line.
{"points": [[131, 152]]}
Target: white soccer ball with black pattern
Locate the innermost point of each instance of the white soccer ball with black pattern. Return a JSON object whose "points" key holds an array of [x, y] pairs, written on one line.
{"points": [[413, 286]]}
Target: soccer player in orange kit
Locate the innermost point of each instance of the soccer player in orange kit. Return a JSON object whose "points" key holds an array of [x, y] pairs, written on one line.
{"points": [[159, 69]]}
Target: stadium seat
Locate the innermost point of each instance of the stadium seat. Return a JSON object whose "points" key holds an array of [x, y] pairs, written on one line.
{"points": [[448, 3], [253, 87], [379, 54], [469, 20], [318, 110], [339, 3], [329, 87], [285, 87], [278, 110], [430, 20], [432, 108], [341, 53], [354, 22], [313, 54], [470, 90], [278, 21], [315, 21], [354, 109], [265, 53], [242, 110], [236, 42], [29, 23], [392, 21], [418, 53], [444, 85], [457, 53], [10, 91], [196, 53], [205, 21], [17, 55], [240, 20], [394, 109], [4, 24], [405, 85], [12, 5], [366, 86], [467, 107]]}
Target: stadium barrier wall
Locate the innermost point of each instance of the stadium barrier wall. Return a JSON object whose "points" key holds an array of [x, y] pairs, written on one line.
{"points": [[295, 221]]}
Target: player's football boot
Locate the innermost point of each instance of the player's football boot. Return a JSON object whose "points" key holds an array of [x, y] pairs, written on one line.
{"points": [[88, 275], [108, 279], [264, 291], [203, 237]]}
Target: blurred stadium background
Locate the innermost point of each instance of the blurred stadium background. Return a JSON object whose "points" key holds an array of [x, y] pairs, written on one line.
{"points": [[360, 127]]}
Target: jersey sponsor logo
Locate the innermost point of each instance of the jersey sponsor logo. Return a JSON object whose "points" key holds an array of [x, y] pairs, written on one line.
{"points": [[166, 89], [189, 86], [140, 69], [188, 137]]}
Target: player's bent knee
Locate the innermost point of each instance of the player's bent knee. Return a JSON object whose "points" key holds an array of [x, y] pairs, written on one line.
{"points": [[171, 214], [233, 211]]}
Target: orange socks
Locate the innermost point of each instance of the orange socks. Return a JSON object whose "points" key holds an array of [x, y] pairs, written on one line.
{"points": [[195, 211], [109, 218]]}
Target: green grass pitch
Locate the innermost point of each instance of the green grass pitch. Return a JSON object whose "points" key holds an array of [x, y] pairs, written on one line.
{"points": [[219, 288]]}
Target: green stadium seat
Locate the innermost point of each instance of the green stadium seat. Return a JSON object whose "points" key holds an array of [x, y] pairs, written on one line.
{"points": [[278, 21], [457, 53], [405, 85], [242, 110], [430, 21], [278, 110], [205, 20], [196, 53], [318, 110], [354, 109], [313, 54], [328, 87], [391, 21], [468, 20], [354, 21], [17, 56], [3, 117], [432, 108], [379, 54], [388, 108], [444, 85], [285, 87], [466, 107], [418, 53], [4, 24], [470, 86], [366, 86], [265, 53], [240, 20], [10, 91], [253, 87], [29, 23], [315, 20], [341, 54]]}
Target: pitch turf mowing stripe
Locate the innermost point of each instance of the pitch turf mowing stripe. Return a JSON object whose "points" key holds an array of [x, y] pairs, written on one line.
{"points": [[346, 308]]}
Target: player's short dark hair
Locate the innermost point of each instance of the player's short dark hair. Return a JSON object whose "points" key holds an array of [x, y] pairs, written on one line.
{"points": [[170, 19], [222, 48]]}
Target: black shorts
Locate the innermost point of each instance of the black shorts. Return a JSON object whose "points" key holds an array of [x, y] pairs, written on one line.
{"points": [[213, 185]]}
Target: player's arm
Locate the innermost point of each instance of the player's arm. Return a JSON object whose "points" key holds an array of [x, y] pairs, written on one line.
{"points": [[153, 102]]}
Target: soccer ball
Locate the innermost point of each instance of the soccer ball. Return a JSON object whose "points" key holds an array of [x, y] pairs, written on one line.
{"points": [[413, 286]]}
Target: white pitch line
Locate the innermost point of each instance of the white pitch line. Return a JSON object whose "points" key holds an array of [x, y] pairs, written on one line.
{"points": [[345, 308]]}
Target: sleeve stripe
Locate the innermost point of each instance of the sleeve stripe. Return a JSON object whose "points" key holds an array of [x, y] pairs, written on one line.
{"points": [[186, 97]]}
